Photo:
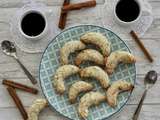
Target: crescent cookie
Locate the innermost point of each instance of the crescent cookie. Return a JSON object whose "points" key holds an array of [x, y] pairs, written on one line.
{"points": [[115, 89], [68, 48], [62, 73], [89, 55], [97, 73], [89, 99], [99, 40], [37, 106], [116, 57], [77, 88]]}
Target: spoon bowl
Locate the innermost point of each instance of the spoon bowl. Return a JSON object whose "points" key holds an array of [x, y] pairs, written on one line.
{"points": [[151, 77], [8, 48]]}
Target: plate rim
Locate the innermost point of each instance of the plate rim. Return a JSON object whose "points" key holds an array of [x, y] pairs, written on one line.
{"points": [[50, 105]]}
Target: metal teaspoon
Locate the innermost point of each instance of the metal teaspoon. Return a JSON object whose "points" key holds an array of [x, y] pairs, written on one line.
{"points": [[9, 49], [149, 81]]}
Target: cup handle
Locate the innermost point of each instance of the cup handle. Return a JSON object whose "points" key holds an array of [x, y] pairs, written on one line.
{"points": [[146, 8]]}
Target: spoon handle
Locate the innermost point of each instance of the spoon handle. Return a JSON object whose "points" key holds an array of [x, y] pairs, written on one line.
{"points": [[136, 114], [32, 79]]}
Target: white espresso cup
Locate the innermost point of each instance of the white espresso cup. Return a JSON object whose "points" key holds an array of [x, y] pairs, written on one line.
{"points": [[31, 36], [144, 9]]}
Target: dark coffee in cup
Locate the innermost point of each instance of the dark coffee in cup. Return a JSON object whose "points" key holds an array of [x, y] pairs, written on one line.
{"points": [[33, 24], [127, 10]]}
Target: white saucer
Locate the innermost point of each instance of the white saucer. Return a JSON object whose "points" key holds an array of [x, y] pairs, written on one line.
{"points": [[108, 20], [31, 46]]}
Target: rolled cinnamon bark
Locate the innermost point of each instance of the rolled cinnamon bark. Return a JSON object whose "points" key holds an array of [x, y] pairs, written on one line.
{"points": [[20, 86], [18, 102], [141, 45], [63, 16], [78, 6]]}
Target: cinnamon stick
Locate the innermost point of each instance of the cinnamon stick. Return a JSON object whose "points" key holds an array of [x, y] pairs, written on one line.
{"points": [[18, 102], [20, 86], [63, 16], [141, 45], [77, 6]]}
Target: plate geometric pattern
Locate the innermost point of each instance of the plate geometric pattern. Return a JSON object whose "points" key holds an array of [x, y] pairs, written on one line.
{"points": [[50, 62]]}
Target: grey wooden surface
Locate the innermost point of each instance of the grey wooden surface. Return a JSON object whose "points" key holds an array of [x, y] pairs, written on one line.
{"points": [[10, 70]]}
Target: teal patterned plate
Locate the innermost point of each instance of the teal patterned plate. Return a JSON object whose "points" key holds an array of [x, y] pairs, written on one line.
{"points": [[50, 62]]}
